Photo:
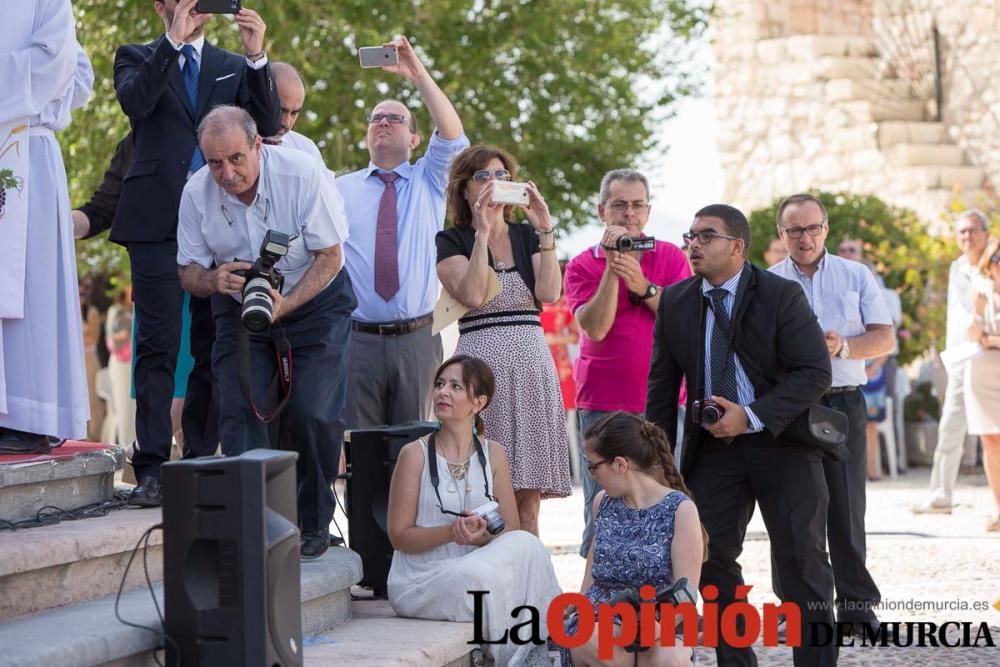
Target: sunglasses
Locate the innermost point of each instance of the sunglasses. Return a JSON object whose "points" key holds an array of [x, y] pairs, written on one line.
{"points": [[484, 175]]}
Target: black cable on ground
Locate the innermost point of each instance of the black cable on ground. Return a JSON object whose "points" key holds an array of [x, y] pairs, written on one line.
{"points": [[51, 515]]}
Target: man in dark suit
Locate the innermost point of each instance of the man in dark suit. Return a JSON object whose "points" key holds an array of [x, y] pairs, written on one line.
{"points": [[166, 87], [760, 355]]}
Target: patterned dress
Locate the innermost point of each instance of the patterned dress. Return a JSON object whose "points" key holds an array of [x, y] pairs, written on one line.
{"points": [[631, 549], [526, 414]]}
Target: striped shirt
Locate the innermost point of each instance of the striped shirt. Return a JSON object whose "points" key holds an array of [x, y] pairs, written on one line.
{"points": [[744, 387]]}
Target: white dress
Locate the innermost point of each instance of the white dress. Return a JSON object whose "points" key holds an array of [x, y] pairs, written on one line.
{"points": [[982, 378], [43, 384], [515, 568]]}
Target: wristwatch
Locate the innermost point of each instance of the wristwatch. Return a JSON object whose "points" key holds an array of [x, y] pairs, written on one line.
{"points": [[845, 350], [651, 291]]}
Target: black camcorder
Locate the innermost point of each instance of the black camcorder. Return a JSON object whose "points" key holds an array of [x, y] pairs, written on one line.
{"points": [[679, 592], [634, 243], [258, 306], [706, 412]]}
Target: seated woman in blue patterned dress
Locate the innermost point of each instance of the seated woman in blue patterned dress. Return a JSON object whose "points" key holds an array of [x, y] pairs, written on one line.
{"points": [[646, 528]]}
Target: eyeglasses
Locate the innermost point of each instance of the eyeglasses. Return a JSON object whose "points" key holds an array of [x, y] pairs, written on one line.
{"points": [[811, 230], [591, 467], [848, 249], [484, 175], [622, 206], [706, 236], [391, 118]]}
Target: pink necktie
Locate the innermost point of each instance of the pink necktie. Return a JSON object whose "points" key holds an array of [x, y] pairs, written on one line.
{"points": [[386, 250]]}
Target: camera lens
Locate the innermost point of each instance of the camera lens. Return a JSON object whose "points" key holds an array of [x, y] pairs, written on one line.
{"points": [[710, 414], [494, 522], [258, 306], [625, 244]]}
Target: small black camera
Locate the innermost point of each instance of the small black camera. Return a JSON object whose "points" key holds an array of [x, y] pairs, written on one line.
{"points": [[680, 592], [635, 243], [258, 306], [706, 412]]}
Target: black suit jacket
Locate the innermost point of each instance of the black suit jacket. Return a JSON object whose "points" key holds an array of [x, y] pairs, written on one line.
{"points": [[151, 92], [774, 333], [100, 209]]}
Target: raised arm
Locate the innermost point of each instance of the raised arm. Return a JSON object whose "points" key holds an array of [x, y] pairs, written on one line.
{"points": [[442, 111]]}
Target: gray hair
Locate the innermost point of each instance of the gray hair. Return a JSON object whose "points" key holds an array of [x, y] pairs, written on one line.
{"points": [[975, 214], [223, 117], [624, 175]]}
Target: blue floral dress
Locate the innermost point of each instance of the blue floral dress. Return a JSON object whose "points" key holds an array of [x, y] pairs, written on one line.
{"points": [[631, 549]]}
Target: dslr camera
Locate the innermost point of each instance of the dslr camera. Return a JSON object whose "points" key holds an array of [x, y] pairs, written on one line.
{"points": [[706, 412], [634, 243], [490, 512], [258, 306], [681, 591]]}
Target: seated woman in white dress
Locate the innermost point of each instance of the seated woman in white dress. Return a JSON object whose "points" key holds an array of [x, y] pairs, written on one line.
{"points": [[646, 531], [443, 550]]}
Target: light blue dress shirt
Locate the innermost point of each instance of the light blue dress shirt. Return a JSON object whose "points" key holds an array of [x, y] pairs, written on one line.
{"points": [[846, 298], [743, 384], [420, 207]]}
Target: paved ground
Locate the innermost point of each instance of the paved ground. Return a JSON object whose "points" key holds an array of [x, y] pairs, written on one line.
{"points": [[930, 560]]}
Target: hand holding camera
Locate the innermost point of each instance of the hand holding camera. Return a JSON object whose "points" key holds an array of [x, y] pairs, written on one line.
{"points": [[407, 63], [469, 530], [187, 21], [730, 419], [252, 29], [228, 278]]}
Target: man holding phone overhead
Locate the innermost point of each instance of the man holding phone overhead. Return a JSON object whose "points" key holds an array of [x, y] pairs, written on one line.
{"points": [[166, 87], [394, 210]]}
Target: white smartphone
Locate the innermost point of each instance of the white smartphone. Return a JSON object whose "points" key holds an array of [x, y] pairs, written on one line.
{"points": [[510, 192], [378, 56]]}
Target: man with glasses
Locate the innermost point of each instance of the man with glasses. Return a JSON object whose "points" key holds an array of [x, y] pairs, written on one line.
{"points": [[394, 209], [746, 339], [856, 326], [248, 191], [972, 231], [614, 296]]}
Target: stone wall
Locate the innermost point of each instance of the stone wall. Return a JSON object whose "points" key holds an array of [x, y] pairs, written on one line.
{"points": [[822, 94]]}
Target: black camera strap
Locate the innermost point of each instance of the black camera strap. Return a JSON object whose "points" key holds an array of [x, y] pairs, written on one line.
{"points": [[432, 469], [283, 352]]}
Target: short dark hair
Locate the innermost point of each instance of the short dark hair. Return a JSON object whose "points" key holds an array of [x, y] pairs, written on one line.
{"points": [[734, 220], [800, 198], [465, 164]]}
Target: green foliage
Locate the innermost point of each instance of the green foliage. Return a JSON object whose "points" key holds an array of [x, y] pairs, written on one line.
{"points": [[573, 88], [922, 405], [895, 240]]}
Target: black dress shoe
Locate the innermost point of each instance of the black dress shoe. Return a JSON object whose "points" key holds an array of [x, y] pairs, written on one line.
{"points": [[313, 545], [21, 442], [336, 540], [858, 627], [147, 494]]}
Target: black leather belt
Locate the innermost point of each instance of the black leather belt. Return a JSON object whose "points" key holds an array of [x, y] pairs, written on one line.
{"points": [[840, 390], [399, 328]]}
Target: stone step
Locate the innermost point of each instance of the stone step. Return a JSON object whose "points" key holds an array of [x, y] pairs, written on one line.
{"points": [[867, 111], [87, 633], [72, 476], [886, 91], [938, 155], [892, 132], [73, 561], [933, 177], [846, 67], [808, 48], [414, 642]]}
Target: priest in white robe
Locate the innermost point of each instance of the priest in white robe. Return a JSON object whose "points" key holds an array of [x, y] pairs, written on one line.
{"points": [[46, 74]]}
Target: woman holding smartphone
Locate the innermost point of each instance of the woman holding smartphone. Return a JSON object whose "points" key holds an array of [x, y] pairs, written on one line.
{"points": [[484, 247]]}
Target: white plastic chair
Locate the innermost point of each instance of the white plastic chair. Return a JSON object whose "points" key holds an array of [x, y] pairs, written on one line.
{"points": [[887, 429]]}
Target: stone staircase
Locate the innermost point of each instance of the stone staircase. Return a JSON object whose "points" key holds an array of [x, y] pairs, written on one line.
{"points": [[826, 119], [58, 585]]}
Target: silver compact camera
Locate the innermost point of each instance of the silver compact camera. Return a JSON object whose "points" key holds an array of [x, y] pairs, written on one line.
{"points": [[490, 512]]}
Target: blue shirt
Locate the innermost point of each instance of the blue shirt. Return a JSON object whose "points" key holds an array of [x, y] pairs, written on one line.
{"points": [[846, 298], [743, 384], [420, 207]]}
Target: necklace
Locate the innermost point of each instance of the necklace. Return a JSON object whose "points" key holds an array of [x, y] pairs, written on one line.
{"points": [[459, 470]]}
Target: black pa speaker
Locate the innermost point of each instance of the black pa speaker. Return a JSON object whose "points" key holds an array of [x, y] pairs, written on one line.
{"points": [[231, 560], [371, 455]]}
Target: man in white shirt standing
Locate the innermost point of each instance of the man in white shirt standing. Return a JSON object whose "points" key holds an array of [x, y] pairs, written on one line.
{"points": [[234, 209], [972, 230]]}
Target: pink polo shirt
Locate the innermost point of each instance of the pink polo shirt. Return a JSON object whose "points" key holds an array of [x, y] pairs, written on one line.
{"points": [[611, 374]]}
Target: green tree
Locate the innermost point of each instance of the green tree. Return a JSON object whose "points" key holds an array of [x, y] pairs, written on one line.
{"points": [[896, 242], [573, 88]]}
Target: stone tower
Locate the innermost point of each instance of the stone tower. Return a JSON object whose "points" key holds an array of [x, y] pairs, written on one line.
{"points": [[897, 98]]}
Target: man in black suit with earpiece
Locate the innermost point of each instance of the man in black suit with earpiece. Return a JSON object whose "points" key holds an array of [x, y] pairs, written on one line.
{"points": [[166, 87]]}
